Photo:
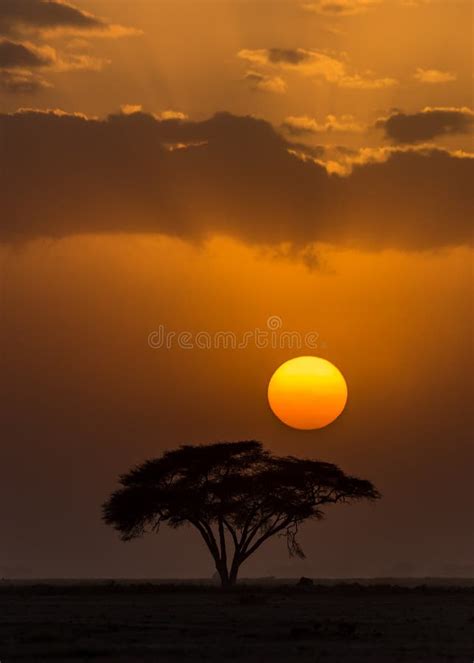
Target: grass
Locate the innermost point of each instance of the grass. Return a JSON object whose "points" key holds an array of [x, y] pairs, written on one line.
{"points": [[275, 623]]}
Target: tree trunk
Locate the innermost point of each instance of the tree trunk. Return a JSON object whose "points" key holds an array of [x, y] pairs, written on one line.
{"points": [[226, 582], [233, 576], [223, 574], [228, 578]]}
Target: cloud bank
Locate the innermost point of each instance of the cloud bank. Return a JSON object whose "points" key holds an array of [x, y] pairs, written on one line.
{"points": [[66, 174]]}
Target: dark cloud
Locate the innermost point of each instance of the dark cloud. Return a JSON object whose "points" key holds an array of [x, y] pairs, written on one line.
{"points": [[13, 54], [32, 15], [37, 19], [20, 62], [287, 55], [21, 81], [427, 124], [233, 175]]}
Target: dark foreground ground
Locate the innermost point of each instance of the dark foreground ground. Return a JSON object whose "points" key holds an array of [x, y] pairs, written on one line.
{"points": [[277, 623]]}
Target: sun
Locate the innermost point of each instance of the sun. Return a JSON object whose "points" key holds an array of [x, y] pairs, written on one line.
{"points": [[307, 392]]}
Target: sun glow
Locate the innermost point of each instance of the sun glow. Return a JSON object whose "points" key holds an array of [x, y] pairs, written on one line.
{"points": [[307, 393]]}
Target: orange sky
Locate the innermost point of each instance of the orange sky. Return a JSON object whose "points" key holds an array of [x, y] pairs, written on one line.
{"points": [[345, 212]]}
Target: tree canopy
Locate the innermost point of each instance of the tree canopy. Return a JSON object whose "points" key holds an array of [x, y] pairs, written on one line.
{"points": [[235, 494]]}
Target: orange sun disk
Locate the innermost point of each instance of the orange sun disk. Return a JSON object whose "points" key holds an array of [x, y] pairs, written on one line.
{"points": [[307, 393]]}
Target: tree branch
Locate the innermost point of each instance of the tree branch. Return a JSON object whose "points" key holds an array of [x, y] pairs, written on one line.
{"points": [[270, 532], [258, 527], [232, 532], [210, 541]]}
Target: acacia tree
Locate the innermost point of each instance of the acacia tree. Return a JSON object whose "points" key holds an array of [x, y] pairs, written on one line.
{"points": [[235, 494]]}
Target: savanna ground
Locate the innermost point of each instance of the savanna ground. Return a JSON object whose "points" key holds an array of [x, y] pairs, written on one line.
{"points": [[346, 623]]}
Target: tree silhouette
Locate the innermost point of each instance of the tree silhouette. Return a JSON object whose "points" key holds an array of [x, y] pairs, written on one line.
{"points": [[236, 494]]}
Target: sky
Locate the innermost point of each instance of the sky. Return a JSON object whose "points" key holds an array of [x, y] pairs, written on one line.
{"points": [[203, 167]]}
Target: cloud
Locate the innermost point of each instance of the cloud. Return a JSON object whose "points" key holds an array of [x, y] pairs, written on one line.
{"points": [[434, 76], [313, 64], [302, 61], [236, 176], [265, 83], [47, 16], [340, 7], [21, 81], [24, 55], [301, 124], [21, 62], [20, 59], [171, 115], [57, 112], [129, 109], [79, 62], [287, 55], [14, 54], [340, 160], [78, 44], [427, 124], [358, 82], [19, 65]]}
